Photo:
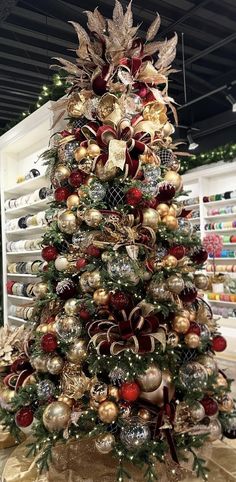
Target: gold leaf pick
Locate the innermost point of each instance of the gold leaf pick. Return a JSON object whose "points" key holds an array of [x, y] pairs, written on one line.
{"points": [[153, 29]]}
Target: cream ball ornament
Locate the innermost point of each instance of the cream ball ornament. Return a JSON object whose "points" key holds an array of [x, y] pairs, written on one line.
{"points": [[55, 365], [56, 416], [61, 263]]}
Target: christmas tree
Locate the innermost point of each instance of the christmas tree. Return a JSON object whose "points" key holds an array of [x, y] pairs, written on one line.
{"points": [[121, 350]]}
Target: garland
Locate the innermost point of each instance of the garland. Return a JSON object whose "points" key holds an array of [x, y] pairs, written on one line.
{"points": [[226, 153]]}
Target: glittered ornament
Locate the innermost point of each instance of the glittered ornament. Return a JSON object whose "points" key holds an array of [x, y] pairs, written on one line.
{"points": [[150, 218], [108, 411], [49, 342], [193, 376], [74, 383], [119, 300], [218, 343], [39, 363], [170, 261], [56, 416], [197, 411], [175, 284], [71, 306], [133, 196], [99, 392], [188, 294], [113, 392], [123, 268], [77, 352], [105, 443], [177, 251], [94, 279], [55, 364], [151, 379], [215, 430], [45, 389], [67, 222], [192, 340], [166, 192], [24, 417], [199, 256], [209, 363], [181, 324], [135, 434], [40, 290], [226, 403], [129, 391], [92, 250], [201, 281], [144, 414], [172, 339], [97, 191], [66, 289], [49, 253], [61, 194], [210, 405], [93, 217], [68, 327], [101, 296], [117, 376]]}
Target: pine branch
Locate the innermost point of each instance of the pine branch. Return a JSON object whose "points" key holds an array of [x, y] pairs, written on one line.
{"points": [[199, 466]]}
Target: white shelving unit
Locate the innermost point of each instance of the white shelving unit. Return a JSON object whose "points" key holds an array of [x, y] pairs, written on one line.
{"points": [[20, 149], [216, 179]]}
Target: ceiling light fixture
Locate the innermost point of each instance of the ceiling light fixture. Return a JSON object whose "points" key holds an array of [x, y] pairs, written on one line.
{"points": [[192, 144], [232, 101]]}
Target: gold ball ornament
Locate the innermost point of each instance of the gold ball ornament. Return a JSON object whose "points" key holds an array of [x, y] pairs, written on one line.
{"points": [[39, 363], [173, 211], [6, 397], [83, 281], [40, 290], [93, 217], [101, 296], [172, 339], [56, 416], [61, 263], [209, 363], [156, 397], [192, 340], [174, 178], [80, 153], [65, 399], [144, 414], [151, 379], [73, 201], [108, 411], [93, 150], [226, 403], [77, 352], [71, 306], [184, 313], [181, 324], [67, 222], [105, 443], [113, 392], [151, 218], [61, 172], [175, 284], [170, 261], [94, 279], [42, 328], [171, 222], [221, 381], [163, 209], [158, 291], [201, 281], [99, 392], [55, 365]]}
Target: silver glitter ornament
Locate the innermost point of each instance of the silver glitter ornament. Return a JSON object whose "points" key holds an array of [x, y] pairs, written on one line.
{"points": [[45, 389], [68, 327], [193, 376], [123, 268], [151, 173], [197, 411], [97, 191], [117, 376], [135, 434], [150, 187]]}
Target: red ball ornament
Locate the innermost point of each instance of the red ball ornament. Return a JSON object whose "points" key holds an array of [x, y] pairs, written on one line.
{"points": [[166, 192], [20, 364], [119, 300], [218, 343], [75, 179], [177, 251], [194, 328], [49, 253], [85, 315], [93, 251], [80, 263], [61, 194], [49, 342], [66, 289], [188, 294], [210, 405], [130, 391], [199, 256], [133, 196], [24, 417], [150, 203]]}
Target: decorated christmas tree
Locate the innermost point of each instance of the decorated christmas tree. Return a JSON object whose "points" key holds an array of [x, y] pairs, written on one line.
{"points": [[121, 349]]}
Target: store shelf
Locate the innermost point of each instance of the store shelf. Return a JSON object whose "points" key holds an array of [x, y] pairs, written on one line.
{"points": [[220, 203], [195, 220], [221, 216], [26, 187], [25, 298], [23, 275], [191, 206], [229, 303], [226, 230], [26, 231], [21, 210], [22, 253], [15, 318], [222, 259], [229, 244]]}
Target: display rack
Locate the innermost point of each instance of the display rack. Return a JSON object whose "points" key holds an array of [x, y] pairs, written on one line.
{"points": [[20, 149], [203, 182]]}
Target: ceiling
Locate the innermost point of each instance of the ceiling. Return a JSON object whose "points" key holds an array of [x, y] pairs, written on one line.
{"points": [[32, 32]]}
